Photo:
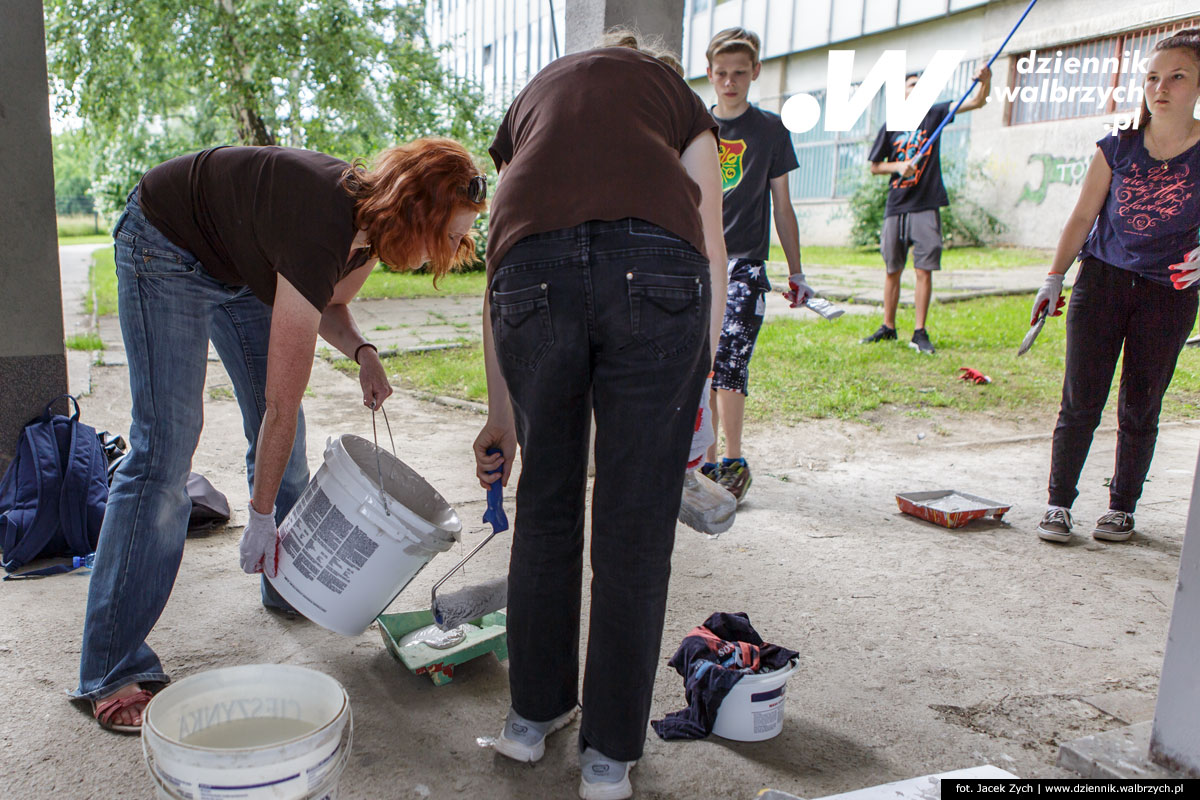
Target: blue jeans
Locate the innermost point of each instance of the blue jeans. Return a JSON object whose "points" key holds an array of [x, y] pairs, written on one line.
{"points": [[613, 315], [169, 309]]}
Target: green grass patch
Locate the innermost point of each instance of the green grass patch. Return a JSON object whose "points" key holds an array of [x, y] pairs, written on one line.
{"points": [[84, 341], [806, 369], [72, 225], [87, 238], [816, 369], [381, 283], [453, 372], [102, 277], [952, 258]]}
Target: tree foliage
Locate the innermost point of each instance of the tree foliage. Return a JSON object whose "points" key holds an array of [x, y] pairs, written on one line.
{"points": [[151, 79]]}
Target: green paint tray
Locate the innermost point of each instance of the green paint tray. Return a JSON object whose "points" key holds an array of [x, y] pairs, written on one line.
{"points": [[486, 634]]}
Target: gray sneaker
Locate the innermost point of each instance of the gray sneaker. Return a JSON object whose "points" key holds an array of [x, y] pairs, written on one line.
{"points": [[1114, 526], [1055, 525], [524, 740], [603, 778]]}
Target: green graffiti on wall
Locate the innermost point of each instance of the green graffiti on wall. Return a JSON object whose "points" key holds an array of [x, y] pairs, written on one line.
{"points": [[1055, 169]]}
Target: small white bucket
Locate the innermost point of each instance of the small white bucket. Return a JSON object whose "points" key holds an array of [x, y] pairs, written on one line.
{"points": [[753, 709], [269, 732], [345, 555]]}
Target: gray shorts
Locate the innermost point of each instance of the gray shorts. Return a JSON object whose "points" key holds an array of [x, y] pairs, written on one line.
{"points": [[922, 230]]}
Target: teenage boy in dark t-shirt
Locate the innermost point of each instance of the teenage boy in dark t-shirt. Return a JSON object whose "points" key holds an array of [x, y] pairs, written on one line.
{"points": [[915, 195], [756, 156]]}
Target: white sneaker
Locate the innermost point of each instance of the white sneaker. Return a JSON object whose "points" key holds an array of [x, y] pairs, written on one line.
{"points": [[603, 778], [523, 740]]}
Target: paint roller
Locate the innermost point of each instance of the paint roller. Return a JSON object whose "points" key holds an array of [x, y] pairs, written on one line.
{"points": [[455, 608], [929, 142]]}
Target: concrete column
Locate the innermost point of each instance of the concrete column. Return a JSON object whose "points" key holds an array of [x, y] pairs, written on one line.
{"points": [[33, 364], [587, 20], [1175, 736]]}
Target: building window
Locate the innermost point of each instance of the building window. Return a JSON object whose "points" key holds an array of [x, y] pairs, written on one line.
{"points": [[833, 162], [487, 55], [1043, 90]]}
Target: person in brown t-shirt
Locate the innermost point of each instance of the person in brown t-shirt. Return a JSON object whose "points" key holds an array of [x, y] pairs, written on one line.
{"points": [[605, 248], [258, 250]]}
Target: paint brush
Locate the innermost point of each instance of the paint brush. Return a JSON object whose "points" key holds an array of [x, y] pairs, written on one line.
{"points": [[1027, 342], [823, 307]]}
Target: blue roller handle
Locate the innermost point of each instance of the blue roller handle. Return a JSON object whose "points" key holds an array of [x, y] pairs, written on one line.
{"points": [[929, 142], [495, 500]]}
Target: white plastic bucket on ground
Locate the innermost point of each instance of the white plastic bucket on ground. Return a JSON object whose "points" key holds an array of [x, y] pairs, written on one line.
{"points": [[345, 554], [753, 709], [272, 696]]}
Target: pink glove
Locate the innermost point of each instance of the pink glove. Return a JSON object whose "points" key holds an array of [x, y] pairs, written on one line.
{"points": [[798, 291], [1187, 272]]}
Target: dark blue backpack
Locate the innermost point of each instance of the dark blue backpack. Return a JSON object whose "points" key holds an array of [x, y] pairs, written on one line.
{"points": [[53, 495]]}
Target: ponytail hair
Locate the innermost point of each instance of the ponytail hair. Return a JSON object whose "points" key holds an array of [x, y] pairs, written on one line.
{"points": [[1189, 40]]}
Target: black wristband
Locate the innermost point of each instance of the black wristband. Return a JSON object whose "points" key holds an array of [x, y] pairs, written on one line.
{"points": [[360, 347]]}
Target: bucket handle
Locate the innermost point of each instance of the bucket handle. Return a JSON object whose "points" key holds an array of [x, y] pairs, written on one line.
{"points": [[378, 463]]}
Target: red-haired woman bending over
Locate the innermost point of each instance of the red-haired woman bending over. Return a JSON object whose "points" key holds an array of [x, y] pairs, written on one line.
{"points": [[258, 249]]}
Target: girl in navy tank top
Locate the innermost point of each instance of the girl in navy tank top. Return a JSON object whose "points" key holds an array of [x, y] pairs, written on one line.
{"points": [[1135, 229]]}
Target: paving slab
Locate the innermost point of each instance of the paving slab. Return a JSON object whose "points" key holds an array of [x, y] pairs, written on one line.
{"points": [[1122, 753]]}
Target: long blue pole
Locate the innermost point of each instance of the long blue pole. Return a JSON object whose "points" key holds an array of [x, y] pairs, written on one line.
{"points": [[929, 142]]}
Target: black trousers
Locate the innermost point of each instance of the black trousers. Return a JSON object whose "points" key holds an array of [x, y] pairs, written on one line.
{"points": [[614, 314], [1113, 309]]}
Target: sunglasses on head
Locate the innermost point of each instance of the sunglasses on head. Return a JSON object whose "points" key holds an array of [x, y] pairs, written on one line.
{"points": [[477, 189]]}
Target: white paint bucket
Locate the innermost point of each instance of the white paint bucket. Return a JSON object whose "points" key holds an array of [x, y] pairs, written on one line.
{"points": [[753, 709], [275, 762], [347, 551]]}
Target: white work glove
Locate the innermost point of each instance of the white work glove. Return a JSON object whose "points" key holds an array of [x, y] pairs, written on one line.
{"points": [[1188, 271], [798, 291], [260, 543], [1049, 296]]}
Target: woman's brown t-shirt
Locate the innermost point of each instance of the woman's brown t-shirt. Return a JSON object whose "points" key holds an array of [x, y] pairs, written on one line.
{"points": [[597, 135], [251, 213]]}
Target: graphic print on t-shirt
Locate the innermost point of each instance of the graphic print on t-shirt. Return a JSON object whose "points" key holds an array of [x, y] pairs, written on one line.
{"points": [[1156, 197], [906, 148], [731, 153]]}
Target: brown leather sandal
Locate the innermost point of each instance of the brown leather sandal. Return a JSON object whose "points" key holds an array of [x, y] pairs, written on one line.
{"points": [[105, 710]]}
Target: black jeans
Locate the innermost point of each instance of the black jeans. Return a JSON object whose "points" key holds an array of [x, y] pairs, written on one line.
{"points": [[1113, 308], [615, 314]]}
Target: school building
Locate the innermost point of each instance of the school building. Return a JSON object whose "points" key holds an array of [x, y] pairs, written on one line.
{"points": [[1032, 142], [498, 44]]}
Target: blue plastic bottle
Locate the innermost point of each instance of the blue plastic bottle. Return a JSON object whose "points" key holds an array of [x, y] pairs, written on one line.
{"points": [[83, 561]]}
